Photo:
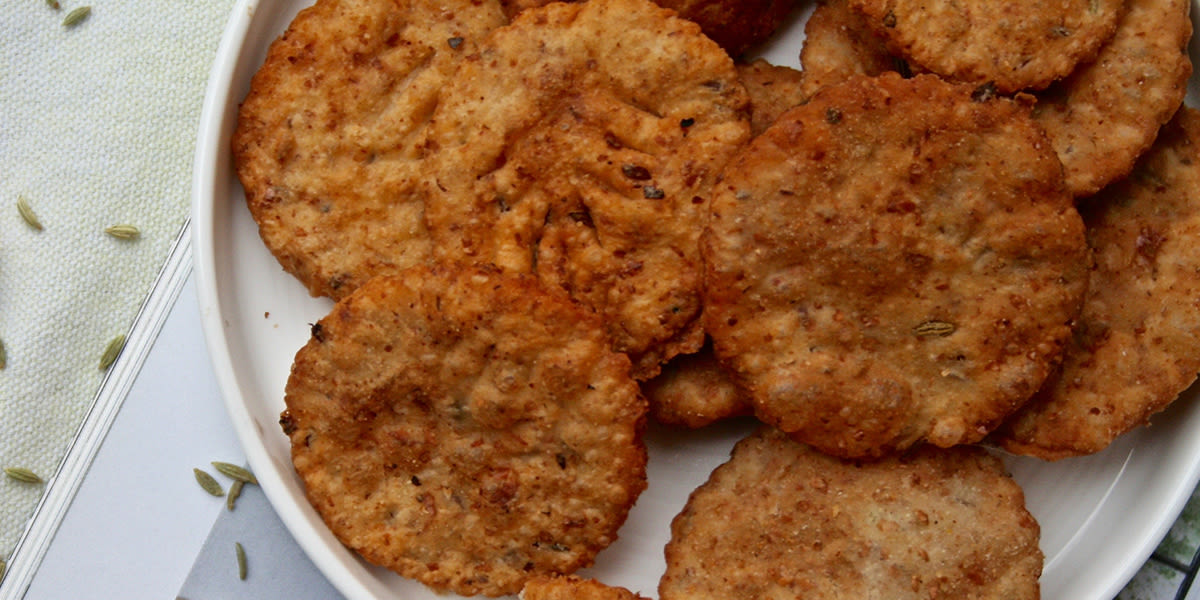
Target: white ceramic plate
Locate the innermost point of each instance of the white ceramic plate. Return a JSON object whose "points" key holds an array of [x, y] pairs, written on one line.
{"points": [[1101, 515]]}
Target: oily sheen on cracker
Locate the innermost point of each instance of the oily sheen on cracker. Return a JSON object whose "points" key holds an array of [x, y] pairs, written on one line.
{"points": [[326, 143], [466, 429], [1011, 45], [895, 261], [580, 144], [1136, 345], [780, 520]]}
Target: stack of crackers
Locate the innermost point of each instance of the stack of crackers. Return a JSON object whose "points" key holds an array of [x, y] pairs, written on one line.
{"points": [[962, 227]]}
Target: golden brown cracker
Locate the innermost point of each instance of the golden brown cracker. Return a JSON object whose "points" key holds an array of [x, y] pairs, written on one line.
{"points": [[572, 587], [780, 520], [773, 90], [587, 157], [736, 25], [693, 390], [895, 261], [1102, 117], [838, 44], [1136, 345], [465, 428], [1013, 46], [326, 142]]}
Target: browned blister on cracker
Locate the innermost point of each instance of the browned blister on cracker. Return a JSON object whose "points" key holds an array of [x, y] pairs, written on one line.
{"points": [[780, 520], [580, 144], [1013, 46], [1136, 345], [465, 428], [895, 261], [326, 145]]}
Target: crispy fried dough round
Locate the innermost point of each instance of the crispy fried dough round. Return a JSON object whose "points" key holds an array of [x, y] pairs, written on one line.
{"points": [[574, 588], [466, 429], [1107, 113], [587, 158], [325, 143], [736, 25], [1137, 343], [838, 44], [773, 90], [780, 520], [895, 261], [1013, 45], [693, 390]]}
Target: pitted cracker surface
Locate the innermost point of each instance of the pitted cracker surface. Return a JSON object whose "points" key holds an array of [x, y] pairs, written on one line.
{"points": [[1012, 45], [1107, 113], [466, 429], [580, 144], [895, 261], [780, 520], [1136, 345], [326, 144]]}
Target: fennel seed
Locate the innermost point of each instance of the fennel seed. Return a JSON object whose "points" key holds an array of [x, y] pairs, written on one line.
{"points": [[76, 16], [235, 472], [123, 232], [22, 474], [112, 351], [27, 213], [207, 482]]}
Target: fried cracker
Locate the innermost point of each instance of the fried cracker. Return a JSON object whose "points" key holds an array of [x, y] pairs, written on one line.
{"points": [[1105, 115], [587, 157], [1012, 46], [773, 90], [838, 44], [466, 429], [895, 261], [1137, 343], [325, 143], [736, 25], [693, 390], [574, 588], [779, 520]]}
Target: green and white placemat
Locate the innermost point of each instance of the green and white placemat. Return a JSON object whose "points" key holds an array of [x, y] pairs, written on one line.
{"points": [[98, 121]]}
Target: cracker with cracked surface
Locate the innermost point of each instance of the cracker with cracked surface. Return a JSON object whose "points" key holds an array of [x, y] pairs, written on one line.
{"points": [[895, 261], [572, 587], [326, 142], [1012, 45], [1107, 113], [586, 157], [1136, 346], [780, 520], [465, 428], [694, 390]]}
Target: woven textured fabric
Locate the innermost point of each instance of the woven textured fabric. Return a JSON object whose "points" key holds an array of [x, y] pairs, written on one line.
{"points": [[97, 127]]}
